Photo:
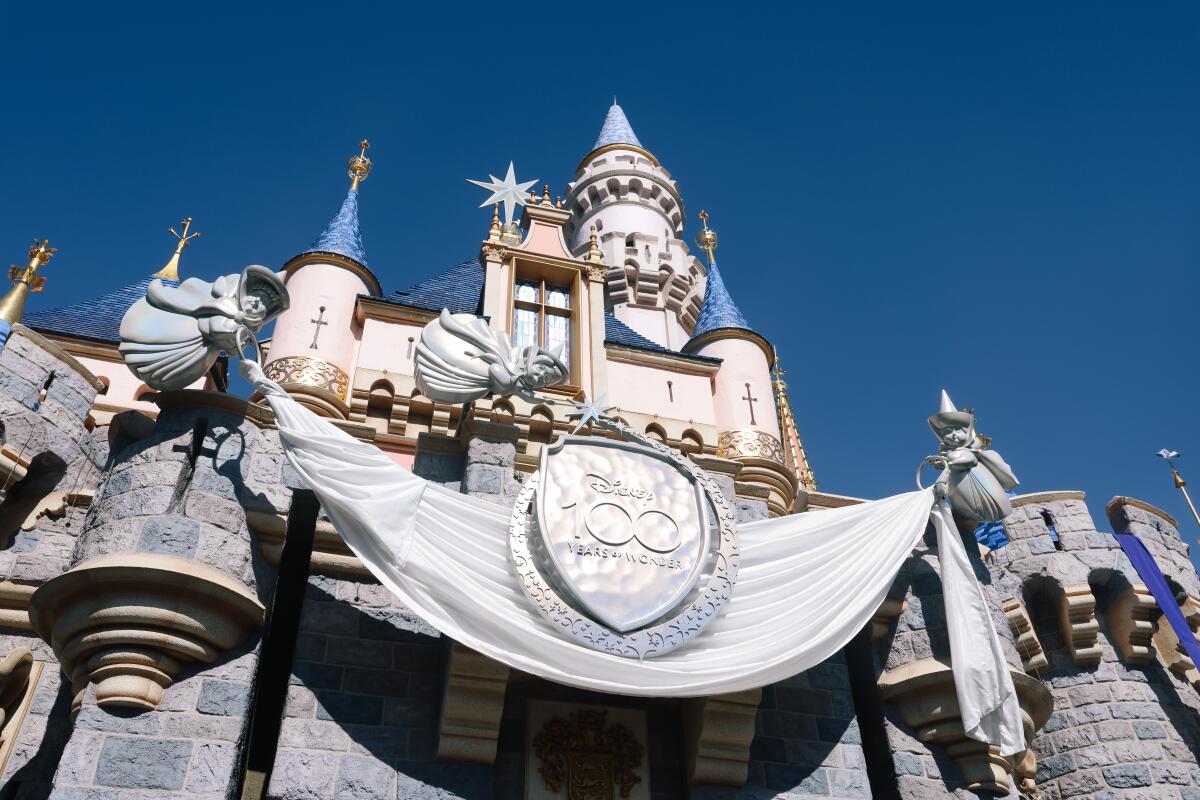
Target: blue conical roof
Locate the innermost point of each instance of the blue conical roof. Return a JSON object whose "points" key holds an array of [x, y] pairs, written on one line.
{"points": [[341, 236], [616, 130], [719, 310]]}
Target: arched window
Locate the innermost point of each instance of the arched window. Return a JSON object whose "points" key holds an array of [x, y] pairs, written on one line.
{"points": [[656, 432], [104, 384], [691, 442], [379, 405], [143, 392]]}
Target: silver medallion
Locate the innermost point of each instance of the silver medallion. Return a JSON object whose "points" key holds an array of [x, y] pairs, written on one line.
{"points": [[627, 546]]}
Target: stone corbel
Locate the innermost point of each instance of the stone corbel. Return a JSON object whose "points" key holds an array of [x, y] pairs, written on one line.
{"points": [[1173, 654], [1033, 657], [14, 605], [54, 506], [472, 705], [888, 611], [718, 731], [14, 466], [330, 554], [923, 691], [1079, 626], [19, 675], [1131, 621], [130, 622]]}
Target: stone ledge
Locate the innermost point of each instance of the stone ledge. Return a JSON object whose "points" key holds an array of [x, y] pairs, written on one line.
{"points": [[203, 398], [1117, 502], [129, 623], [1046, 497], [924, 693], [330, 555], [59, 353]]}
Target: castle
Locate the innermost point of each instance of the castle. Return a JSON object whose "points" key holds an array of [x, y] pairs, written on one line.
{"points": [[177, 620]]}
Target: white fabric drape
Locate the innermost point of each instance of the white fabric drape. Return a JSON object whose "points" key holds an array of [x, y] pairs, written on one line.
{"points": [[987, 698], [806, 585]]}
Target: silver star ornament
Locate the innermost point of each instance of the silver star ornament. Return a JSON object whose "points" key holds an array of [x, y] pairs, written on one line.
{"points": [[507, 191]]}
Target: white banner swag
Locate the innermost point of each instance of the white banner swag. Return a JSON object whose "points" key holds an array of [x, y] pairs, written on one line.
{"points": [[807, 583]]}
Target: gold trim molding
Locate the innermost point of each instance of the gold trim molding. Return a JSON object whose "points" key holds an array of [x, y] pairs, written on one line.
{"points": [[313, 373], [750, 443], [334, 259]]}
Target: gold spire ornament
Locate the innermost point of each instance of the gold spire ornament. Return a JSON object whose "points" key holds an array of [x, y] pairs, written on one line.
{"points": [[25, 280], [706, 239], [170, 270], [360, 166], [793, 448]]}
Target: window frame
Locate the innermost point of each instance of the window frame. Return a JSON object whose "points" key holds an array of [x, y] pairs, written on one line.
{"points": [[544, 276]]}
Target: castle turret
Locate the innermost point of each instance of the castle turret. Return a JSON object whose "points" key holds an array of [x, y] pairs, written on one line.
{"points": [[631, 200], [743, 391], [312, 350]]}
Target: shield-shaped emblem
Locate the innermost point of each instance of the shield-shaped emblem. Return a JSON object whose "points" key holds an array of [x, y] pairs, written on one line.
{"points": [[622, 529]]}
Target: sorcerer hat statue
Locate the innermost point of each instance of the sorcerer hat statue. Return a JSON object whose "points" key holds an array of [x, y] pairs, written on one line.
{"points": [[949, 417]]}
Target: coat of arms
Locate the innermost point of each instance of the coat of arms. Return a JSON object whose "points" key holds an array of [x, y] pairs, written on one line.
{"points": [[625, 544], [594, 760]]}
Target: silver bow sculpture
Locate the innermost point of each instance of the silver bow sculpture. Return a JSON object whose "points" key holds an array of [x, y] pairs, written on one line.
{"points": [[974, 479], [461, 358], [172, 336]]}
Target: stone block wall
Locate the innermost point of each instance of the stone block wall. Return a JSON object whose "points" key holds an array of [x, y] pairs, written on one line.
{"points": [[171, 512], [45, 398], [362, 709], [807, 742]]}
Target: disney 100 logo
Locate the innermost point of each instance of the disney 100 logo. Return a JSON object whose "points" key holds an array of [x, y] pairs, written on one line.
{"points": [[617, 515]]}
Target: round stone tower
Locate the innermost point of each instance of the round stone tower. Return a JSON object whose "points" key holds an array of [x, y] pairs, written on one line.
{"points": [[1109, 697], [623, 193], [312, 350]]}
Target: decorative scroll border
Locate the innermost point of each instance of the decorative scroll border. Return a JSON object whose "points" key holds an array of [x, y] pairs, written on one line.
{"points": [[652, 640], [751, 443], [306, 371]]}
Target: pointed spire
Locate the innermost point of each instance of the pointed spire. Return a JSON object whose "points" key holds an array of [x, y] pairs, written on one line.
{"points": [[947, 404], [719, 310], [25, 280], [616, 129], [341, 236], [793, 447], [170, 270]]}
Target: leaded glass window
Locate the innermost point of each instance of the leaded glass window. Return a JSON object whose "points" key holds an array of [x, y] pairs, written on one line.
{"points": [[542, 316]]}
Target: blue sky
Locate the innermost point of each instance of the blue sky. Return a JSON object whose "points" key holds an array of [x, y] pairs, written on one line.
{"points": [[1001, 201]]}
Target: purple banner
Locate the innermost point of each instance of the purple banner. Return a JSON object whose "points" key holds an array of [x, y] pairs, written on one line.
{"points": [[1151, 575]]}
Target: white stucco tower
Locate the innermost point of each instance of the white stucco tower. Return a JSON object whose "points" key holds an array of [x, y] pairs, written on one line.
{"points": [[622, 191]]}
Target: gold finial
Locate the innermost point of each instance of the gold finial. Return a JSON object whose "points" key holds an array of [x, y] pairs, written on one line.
{"points": [[494, 229], [545, 194], [25, 280], [170, 270], [706, 239], [360, 166], [594, 255]]}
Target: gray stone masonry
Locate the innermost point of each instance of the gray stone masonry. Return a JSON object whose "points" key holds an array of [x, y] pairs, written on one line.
{"points": [[45, 424], [153, 501], [923, 770], [1117, 730]]}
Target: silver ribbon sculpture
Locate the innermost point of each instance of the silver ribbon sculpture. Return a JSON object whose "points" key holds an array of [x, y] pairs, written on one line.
{"points": [[172, 336], [461, 358]]}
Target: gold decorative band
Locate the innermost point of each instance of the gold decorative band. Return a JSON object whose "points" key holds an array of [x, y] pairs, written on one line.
{"points": [[750, 443], [311, 372]]}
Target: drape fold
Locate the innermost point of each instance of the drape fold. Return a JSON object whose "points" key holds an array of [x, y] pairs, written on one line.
{"points": [[806, 585]]}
